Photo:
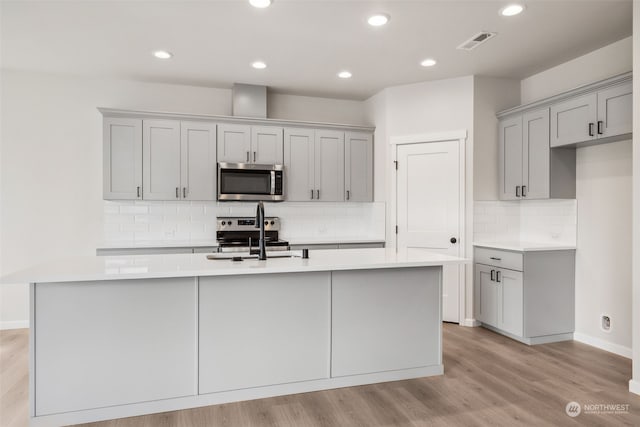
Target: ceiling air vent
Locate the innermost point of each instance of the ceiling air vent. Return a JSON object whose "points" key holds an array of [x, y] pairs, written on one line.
{"points": [[476, 40]]}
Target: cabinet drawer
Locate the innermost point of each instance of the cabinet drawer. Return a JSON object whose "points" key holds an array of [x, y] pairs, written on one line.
{"points": [[499, 258]]}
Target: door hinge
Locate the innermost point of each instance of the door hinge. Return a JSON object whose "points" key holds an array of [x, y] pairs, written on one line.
{"points": [[395, 162], [396, 229]]}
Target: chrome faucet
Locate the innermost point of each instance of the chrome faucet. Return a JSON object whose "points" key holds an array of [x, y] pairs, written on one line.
{"points": [[262, 250]]}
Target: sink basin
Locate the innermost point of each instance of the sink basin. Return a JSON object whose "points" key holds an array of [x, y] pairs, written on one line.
{"points": [[245, 256]]}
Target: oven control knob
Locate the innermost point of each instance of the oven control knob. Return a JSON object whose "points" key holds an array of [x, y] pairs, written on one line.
{"points": [[224, 223], [266, 223], [229, 222], [273, 222]]}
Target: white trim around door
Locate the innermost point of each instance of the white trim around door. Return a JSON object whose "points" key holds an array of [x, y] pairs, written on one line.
{"points": [[466, 205]]}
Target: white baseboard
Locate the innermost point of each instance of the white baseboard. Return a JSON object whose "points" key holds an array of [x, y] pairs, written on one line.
{"points": [[14, 324], [634, 386], [470, 323], [618, 349]]}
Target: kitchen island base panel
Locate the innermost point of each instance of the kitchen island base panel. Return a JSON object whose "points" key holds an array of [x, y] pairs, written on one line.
{"points": [[111, 343], [144, 408], [110, 349]]}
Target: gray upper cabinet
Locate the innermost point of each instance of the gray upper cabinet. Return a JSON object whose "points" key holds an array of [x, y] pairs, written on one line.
{"points": [[314, 164], [250, 144], [535, 155], [329, 166], [267, 145], [529, 168], [198, 160], [161, 159], [615, 111], [299, 164], [573, 121], [606, 113], [234, 143], [510, 140], [162, 156], [358, 167], [122, 158]]}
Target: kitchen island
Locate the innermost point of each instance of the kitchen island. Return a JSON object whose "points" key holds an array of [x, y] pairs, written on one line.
{"points": [[121, 336]]}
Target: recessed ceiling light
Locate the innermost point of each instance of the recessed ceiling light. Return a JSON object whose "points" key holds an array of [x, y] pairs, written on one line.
{"points": [[162, 54], [344, 75], [260, 3], [511, 10], [259, 65], [429, 62], [378, 20]]}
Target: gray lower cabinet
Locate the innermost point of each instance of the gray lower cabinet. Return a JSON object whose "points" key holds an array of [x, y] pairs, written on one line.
{"points": [[528, 296], [529, 168], [124, 341], [604, 114], [280, 330], [122, 158]]}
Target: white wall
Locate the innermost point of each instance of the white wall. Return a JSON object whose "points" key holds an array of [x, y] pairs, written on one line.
{"points": [[634, 384], [306, 108], [597, 65], [603, 258], [423, 108], [490, 96], [51, 164]]}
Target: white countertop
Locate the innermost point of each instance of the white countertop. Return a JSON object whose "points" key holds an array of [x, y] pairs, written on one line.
{"points": [[90, 268], [525, 246], [212, 243]]}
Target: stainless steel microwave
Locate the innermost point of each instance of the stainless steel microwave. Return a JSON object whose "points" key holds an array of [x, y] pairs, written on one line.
{"points": [[250, 182]]}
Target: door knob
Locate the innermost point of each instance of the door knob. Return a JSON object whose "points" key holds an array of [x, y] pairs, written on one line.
{"points": [[453, 240]]}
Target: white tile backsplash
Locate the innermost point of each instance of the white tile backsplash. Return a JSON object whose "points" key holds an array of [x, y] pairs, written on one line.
{"points": [[150, 221], [544, 221]]}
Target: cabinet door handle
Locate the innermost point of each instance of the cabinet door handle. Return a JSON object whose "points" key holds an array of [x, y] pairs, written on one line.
{"points": [[177, 192], [311, 194], [524, 191], [184, 192], [600, 123], [495, 258], [318, 194], [492, 273], [498, 276], [254, 157], [247, 157], [517, 191], [348, 195], [591, 129], [138, 191]]}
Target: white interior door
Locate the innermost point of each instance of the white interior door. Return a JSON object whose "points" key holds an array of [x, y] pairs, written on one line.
{"points": [[428, 208]]}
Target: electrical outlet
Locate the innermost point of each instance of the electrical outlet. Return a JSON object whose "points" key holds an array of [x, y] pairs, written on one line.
{"points": [[605, 323]]}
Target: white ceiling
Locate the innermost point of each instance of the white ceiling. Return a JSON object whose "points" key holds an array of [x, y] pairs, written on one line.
{"points": [[304, 42]]}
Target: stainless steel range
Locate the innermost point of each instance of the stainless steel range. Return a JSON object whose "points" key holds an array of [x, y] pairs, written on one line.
{"points": [[237, 234]]}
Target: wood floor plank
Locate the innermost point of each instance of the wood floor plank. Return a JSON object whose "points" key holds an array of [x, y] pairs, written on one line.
{"points": [[490, 380]]}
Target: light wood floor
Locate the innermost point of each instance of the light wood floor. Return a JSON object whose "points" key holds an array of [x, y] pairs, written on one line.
{"points": [[489, 380]]}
